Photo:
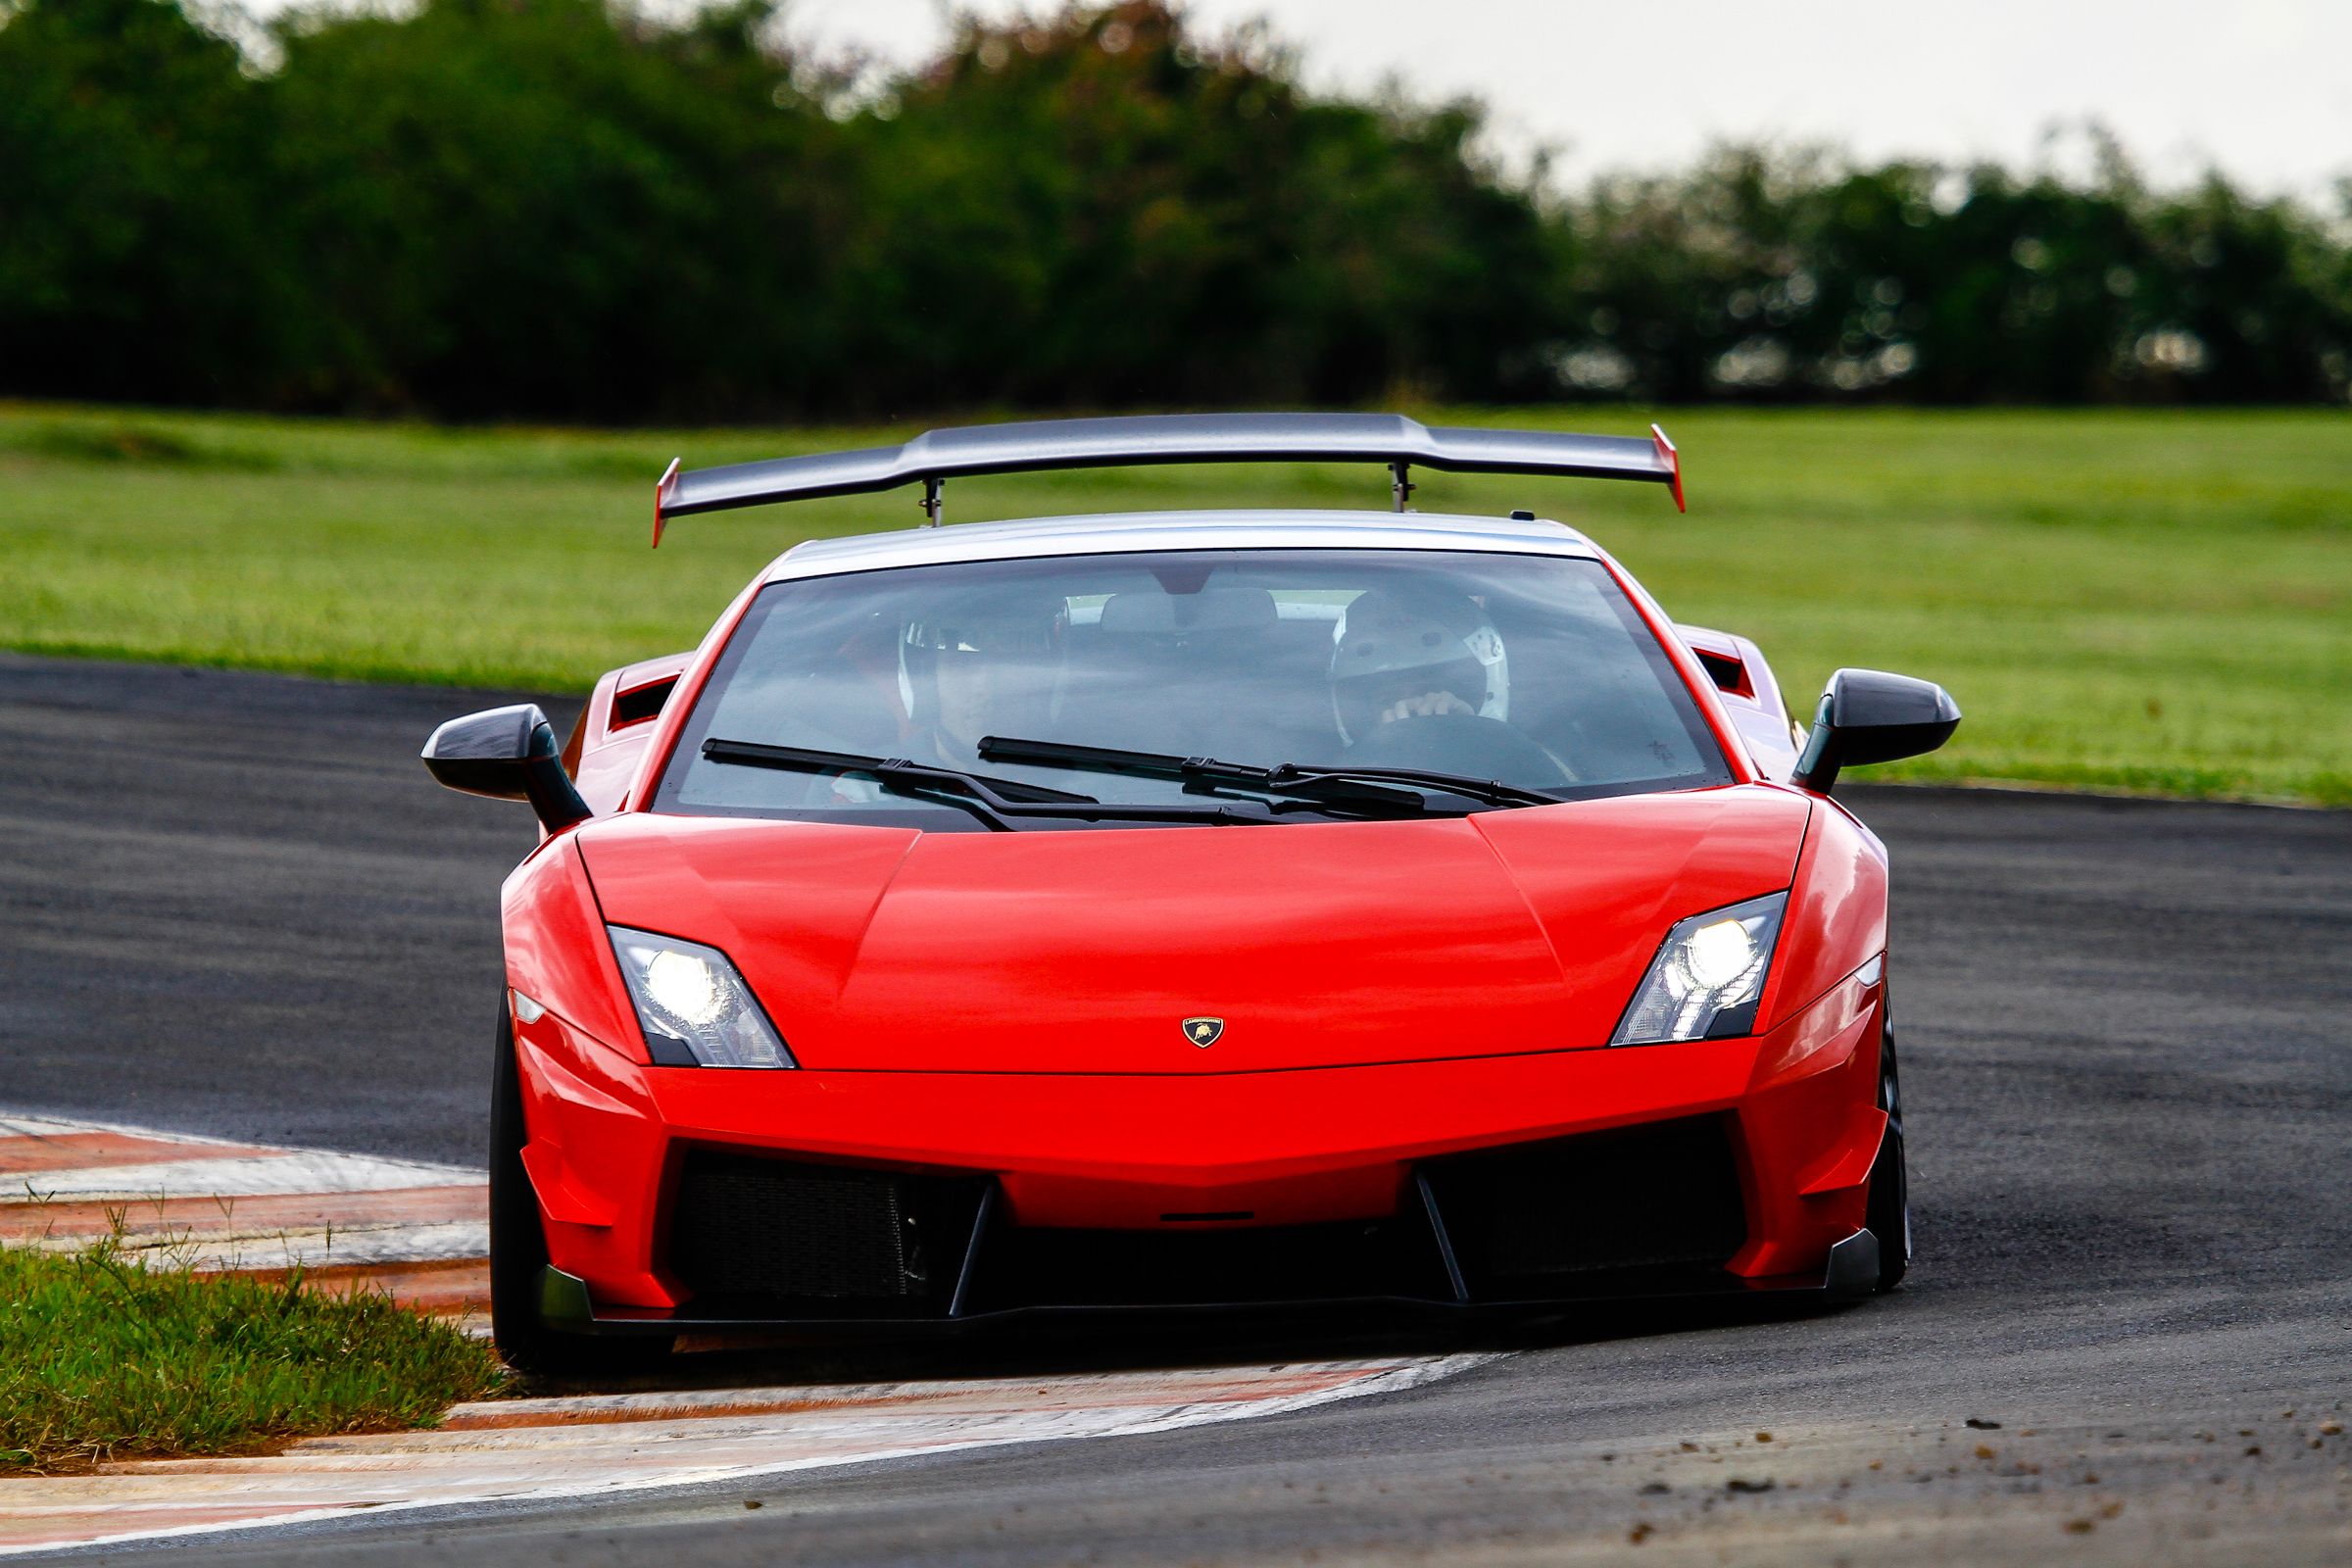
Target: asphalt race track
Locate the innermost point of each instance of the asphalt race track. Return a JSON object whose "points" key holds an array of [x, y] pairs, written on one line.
{"points": [[235, 904]]}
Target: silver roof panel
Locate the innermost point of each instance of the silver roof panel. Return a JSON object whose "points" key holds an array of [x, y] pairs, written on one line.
{"points": [[1129, 531]]}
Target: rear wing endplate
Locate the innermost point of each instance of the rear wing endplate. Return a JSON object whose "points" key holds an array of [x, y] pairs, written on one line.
{"points": [[1388, 439]]}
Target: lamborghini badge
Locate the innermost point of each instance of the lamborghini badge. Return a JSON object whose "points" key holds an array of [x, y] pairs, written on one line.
{"points": [[1204, 1032]]}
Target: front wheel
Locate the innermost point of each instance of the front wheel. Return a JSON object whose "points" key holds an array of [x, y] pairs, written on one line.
{"points": [[519, 1252], [1888, 1215]]}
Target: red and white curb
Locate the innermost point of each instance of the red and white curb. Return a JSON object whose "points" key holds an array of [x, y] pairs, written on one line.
{"points": [[418, 1231]]}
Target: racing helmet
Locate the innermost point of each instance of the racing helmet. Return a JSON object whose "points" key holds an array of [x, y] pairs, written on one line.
{"points": [[1016, 636], [1392, 644]]}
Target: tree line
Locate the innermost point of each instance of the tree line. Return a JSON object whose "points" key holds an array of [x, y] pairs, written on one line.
{"points": [[569, 209]]}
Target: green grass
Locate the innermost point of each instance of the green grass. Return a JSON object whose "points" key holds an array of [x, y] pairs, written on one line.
{"points": [[103, 1358], [2148, 600]]}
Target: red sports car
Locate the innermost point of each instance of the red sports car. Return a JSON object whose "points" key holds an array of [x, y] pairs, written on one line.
{"points": [[1184, 911]]}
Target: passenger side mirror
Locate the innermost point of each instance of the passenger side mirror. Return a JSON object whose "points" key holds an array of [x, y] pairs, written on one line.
{"points": [[1867, 715], [509, 753]]}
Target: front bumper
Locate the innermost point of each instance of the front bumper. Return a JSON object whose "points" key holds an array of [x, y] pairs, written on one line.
{"points": [[1207, 1191]]}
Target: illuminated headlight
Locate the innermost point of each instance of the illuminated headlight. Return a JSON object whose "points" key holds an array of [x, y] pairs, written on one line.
{"points": [[1706, 978], [693, 1006]]}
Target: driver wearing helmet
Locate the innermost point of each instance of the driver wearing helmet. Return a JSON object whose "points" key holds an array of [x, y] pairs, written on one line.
{"points": [[974, 667], [1419, 677], [1399, 655]]}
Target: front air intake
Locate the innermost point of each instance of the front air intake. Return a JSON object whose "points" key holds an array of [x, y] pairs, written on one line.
{"points": [[1526, 1218], [837, 1239]]}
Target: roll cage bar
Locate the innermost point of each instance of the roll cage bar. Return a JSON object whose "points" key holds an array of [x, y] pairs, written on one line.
{"points": [[1388, 439]]}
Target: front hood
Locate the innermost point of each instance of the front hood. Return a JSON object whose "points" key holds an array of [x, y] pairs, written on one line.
{"points": [[1317, 946]]}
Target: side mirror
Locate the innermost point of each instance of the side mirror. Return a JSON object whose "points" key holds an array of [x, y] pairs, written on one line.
{"points": [[1867, 715], [509, 753]]}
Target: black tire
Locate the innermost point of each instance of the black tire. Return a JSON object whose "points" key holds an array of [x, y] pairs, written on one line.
{"points": [[1888, 1215], [518, 1254]]}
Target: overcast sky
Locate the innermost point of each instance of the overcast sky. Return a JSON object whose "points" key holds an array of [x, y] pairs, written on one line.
{"points": [[2261, 87]]}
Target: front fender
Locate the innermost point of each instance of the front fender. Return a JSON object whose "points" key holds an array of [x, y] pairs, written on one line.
{"points": [[1836, 919], [557, 951]]}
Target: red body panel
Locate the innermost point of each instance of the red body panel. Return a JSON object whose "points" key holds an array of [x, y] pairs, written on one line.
{"points": [[1121, 1150], [557, 951], [1336, 944], [1841, 895], [1042, 1049]]}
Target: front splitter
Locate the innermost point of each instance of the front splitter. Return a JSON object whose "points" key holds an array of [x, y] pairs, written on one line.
{"points": [[1851, 1272]]}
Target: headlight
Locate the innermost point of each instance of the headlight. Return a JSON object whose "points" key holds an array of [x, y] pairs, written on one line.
{"points": [[692, 1005], [1706, 978]]}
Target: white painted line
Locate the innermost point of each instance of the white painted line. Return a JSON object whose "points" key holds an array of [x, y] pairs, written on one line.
{"points": [[310, 1247], [289, 1172], [51, 1127]]}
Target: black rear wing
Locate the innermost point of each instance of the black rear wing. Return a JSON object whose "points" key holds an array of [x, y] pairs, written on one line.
{"points": [[1388, 439]]}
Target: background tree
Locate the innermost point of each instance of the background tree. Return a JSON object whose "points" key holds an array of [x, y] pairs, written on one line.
{"points": [[569, 209]]}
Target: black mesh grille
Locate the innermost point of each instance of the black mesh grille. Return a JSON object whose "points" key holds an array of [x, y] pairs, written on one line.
{"points": [[744, 1225], [1662, 1195], [757, 1236]]}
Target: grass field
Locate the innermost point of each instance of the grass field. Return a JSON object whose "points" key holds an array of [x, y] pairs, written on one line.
{"points": [[2147, 601], [102, 1356]]}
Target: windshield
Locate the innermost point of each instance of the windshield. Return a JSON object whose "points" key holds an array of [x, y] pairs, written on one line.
{"points": [[1531, 672]]}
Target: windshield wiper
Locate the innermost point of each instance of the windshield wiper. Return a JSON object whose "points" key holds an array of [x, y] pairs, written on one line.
{"points": [[998, 801], [1492, 791], [1337, 786], [1203, 772]]}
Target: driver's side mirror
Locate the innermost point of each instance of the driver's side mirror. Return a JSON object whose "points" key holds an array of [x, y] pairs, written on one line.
{"points": [[509, 753], [1867, 715]]}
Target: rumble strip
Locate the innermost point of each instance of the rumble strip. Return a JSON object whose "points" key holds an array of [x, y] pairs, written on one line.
{"points": [[420, 1231]]}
